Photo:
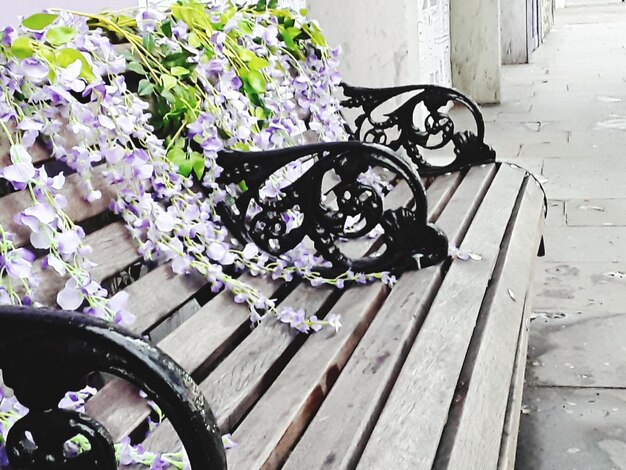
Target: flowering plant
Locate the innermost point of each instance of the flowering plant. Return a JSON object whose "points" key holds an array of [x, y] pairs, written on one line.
{"points": [[151, 97]]}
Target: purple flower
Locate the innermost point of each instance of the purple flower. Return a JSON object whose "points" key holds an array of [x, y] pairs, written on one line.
{"points": [[36, 216], [125, 452], [228, 441], [68, 242], [165, 222], [22, 171], [55, 263], [18, 263], [334, 321], [117, 304], [71, 297], [34, 69]]}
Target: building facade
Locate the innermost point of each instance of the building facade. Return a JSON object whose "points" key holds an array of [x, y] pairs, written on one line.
{"points": [[448, 42]]}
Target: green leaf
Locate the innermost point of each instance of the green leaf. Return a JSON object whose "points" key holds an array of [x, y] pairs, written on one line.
{"points": [[273, 4], [197, 162], [39, 21], [260, 113], [59, 35], [166, 29], [258, 63], [245, 27], [169, 82], [194, 14], [257, 81], [172, 60], [66, 57], [136, 67], [261, 5], [179, 71], [194, 40], [176, 153], [245, 54], [146, 88], [149, 43], [317, 37], [22, 48]]}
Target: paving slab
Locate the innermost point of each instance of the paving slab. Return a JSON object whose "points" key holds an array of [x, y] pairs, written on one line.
{"points": [[577, 350], [522, 133], [573, 429], [580, 287], [591, 244], [576, 417], [610, 138], [594, 212], [556, 214], [592, 149], [585, 178]]}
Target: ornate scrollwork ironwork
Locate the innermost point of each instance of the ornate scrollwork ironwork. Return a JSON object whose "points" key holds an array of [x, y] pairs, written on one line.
{"points": [[397, 130], [357, 206], [45, 353]]}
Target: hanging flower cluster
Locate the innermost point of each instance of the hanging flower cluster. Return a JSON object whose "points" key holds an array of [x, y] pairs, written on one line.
{"points": [[151, 97]]}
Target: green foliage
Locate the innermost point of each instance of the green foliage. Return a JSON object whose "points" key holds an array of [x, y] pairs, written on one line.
{"points": [[39, 21], [60, 35], [22, 48], [187, 162], [168, 78], [67, 56]]}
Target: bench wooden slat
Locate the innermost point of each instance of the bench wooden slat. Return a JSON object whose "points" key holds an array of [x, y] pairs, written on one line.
{"points": [[482, 409], [213, 327], [198, 343], [272, 342], [153, 296], [340, 426], [302, 386], [113, 250], [508, 447], [422, 395], [268, 433]]}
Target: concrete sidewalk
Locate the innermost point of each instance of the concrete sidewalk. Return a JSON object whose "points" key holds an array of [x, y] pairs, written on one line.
{"points": [[564, 116]]}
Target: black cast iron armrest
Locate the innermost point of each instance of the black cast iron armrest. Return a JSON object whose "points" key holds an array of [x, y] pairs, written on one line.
{"points": [[381, 120], [351, 207], [45, 353]]}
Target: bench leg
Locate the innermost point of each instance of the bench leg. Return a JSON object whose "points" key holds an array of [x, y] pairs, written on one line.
{"points": [[542, 248]]}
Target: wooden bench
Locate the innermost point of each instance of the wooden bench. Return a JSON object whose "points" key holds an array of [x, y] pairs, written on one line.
{"points": [[428, 374]]}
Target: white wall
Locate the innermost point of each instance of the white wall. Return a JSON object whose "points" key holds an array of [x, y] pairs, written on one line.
{"points": [[475, 44], [379, 39], [514, 26], [10, 10]]}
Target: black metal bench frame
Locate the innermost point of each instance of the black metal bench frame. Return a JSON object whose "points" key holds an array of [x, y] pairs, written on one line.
{"points": [[36, 345]]}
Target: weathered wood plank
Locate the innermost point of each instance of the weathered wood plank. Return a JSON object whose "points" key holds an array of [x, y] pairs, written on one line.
{"points": [[236, 384], [198, 342], [302, 386], [424, 390], [508, 447], [153, 296], [196, 345], [477, 426], [343, 422], [113, 250], [78, 209]]}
